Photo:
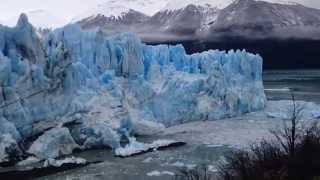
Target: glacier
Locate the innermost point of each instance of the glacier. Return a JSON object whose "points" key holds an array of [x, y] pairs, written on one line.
{"points": [[98, 89]]}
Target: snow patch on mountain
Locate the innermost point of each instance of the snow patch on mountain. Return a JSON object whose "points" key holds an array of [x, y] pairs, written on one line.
{"points": [[181, 4], [117, 9], [219, 4], [209, 18], [107, 10], [148, 7], [285, 2]]}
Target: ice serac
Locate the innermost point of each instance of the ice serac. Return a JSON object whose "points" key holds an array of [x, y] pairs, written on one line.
{"points": [[54, 143], [97, 89], [9, 148]]}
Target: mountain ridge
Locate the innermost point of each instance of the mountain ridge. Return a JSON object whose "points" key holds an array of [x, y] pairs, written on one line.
{"points": [[151, 7], [248, 19]]}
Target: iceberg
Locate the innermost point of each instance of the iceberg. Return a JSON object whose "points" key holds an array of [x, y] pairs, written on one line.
{"points": [[59, 163], [114, 86], [134, 147], [160, 173]]}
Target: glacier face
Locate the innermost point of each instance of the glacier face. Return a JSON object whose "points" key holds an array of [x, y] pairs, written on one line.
{"points": [[100, 88]]}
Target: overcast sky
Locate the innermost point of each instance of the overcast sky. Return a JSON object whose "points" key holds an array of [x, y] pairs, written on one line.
{"points": [[67, 9], [61, 8]]}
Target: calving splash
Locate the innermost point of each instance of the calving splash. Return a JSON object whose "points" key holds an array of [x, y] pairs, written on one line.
{"points": [[73, 89]]}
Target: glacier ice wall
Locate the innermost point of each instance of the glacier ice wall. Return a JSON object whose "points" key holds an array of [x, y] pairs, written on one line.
{"points": [[111, 86], [163, 81]]}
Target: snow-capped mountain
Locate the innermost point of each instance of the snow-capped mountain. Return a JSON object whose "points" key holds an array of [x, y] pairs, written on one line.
{"points": [[186, 20], [181, 4], [285, 2], [176, 16], [107, 10], [115, 15], [39, 19], [117, 9], [260, 19], [128, 18], [209, 19]]}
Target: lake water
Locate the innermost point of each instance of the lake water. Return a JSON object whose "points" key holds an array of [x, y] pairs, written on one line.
{"points": [[305, 84]]}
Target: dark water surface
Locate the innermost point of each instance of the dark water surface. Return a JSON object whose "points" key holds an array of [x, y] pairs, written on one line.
{"points": [[305, 84], [142, 167]]}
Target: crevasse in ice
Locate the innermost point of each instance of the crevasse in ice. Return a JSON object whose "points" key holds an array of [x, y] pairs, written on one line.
{"points": [[102, 87]]}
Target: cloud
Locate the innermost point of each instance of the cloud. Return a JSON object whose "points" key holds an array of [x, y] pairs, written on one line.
{"points": [[62, 8]]}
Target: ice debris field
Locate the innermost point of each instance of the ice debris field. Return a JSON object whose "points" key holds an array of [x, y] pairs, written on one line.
{"points": [[71, 89]]}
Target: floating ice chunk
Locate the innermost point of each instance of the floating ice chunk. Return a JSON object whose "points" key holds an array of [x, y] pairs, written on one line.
{"points": [[29, 161], [59, 163], [154, 173], [148, 160], [160, 143], [134, 147], [183, 165], [212, 169], [160, 173], [286, 89], [214, 145]]}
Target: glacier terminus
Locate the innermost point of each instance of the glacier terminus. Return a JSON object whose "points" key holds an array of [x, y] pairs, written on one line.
{"points": [[74, 89]]}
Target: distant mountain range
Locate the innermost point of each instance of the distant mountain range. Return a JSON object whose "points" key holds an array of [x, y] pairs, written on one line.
{"points": [[193, 20], [205, 20]]}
